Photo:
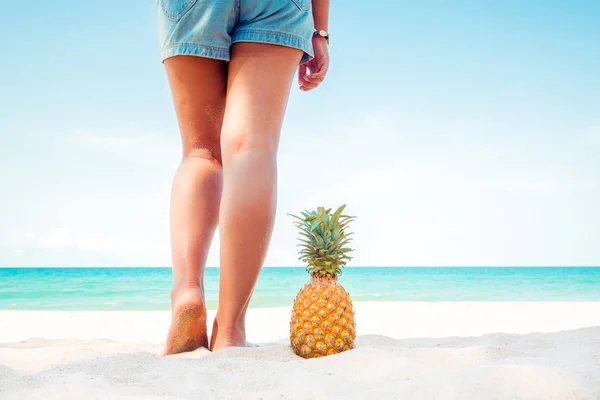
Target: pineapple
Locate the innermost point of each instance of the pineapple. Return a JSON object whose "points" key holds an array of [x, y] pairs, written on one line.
{"points": [[322, 321]]}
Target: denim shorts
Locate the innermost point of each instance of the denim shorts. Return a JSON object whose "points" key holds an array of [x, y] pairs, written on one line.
{"points": [[207, 28]]}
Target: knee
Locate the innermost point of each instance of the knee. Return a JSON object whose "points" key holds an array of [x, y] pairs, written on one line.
{"points": [[212, 154], [243, 141]]}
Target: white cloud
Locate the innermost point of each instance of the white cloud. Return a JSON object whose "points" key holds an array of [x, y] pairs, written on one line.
{"points": [[432, 213], [63, 247], [420, 200], [58, 239]]}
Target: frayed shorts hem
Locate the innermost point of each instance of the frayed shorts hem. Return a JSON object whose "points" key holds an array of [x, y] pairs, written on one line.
{"points": [[243, 35], [193, 49]]}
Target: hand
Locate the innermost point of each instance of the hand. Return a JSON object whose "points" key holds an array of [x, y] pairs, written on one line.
{"points": [[317, 66]]}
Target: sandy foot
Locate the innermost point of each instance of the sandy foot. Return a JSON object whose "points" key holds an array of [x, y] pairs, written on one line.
{"points": [[187, 330]]}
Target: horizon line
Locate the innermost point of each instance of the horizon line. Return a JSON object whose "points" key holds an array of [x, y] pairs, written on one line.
{"points": [[301, 266]]}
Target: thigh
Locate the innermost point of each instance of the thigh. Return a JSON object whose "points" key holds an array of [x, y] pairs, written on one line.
{"points": [[198, 86], [258, 86]]}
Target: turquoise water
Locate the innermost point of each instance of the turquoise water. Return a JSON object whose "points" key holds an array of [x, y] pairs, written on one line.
{"points": [[148, 288]]}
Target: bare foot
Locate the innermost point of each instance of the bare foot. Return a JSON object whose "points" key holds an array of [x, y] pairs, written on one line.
{"points": [[188, 323], [227, 337]]}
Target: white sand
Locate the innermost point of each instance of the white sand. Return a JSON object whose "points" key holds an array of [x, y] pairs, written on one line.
{"points": [[404, 351]]}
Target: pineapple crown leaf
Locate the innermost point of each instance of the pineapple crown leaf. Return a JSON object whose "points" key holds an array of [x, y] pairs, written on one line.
{"points": [[323, 239]]}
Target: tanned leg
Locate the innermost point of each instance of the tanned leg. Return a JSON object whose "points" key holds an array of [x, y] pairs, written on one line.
{"points": [[198, 86], [258, 85]]}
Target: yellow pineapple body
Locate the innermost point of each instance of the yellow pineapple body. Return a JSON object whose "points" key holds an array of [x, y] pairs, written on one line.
{"points": [[322, 321]]}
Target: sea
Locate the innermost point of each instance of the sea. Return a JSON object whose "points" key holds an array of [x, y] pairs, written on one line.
{"points": [[148, 288]]}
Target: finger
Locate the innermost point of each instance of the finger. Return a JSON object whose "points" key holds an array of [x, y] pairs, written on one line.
{"points": [[309, 81], [305, 89], [301, 73], [317, 70], [314, 78], [321, 71], [309, 86]]}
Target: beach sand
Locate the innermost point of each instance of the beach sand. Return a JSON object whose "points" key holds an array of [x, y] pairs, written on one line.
{"points": [[404, 351]]}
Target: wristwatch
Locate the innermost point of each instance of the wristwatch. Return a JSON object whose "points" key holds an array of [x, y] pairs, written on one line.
{"points": [[322, 33]]}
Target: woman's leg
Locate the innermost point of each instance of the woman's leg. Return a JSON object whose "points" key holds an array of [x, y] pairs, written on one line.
{"points": [[198, 87], [259, 80]]}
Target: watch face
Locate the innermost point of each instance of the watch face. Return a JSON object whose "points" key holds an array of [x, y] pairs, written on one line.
{"points": [[323, 33]]}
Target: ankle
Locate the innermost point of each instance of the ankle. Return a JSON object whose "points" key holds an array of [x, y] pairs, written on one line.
{"points": [[231, 328], [186, 290], [235, 322], [227, 336]]}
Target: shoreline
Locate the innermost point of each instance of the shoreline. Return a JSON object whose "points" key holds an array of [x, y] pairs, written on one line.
{"points": [[398, 320]]}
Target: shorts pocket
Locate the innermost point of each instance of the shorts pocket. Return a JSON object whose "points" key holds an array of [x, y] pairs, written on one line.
{"points": [[303, 5], [176, 9]]}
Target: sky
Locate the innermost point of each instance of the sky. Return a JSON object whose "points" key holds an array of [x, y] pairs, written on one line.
{"points": [[463, 133]]}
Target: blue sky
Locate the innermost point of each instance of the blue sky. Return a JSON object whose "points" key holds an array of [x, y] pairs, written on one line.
{"points": [[459, 133]]}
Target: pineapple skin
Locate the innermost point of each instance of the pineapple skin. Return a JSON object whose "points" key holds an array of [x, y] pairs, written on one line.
{"points": [[322, 321]]}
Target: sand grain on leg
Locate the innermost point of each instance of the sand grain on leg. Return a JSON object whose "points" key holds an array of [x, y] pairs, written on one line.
{"points": [[187, 331]]}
